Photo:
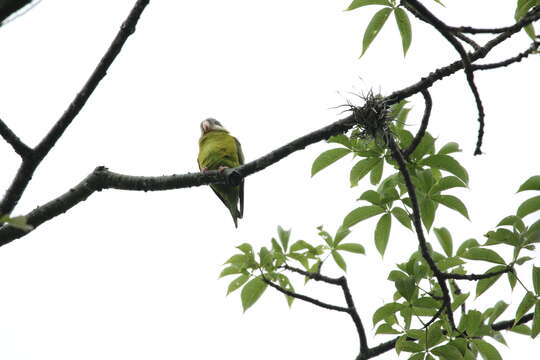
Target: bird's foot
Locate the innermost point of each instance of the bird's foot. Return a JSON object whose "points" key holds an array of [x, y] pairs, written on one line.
{"points": [[204, 169], [222, 168]]}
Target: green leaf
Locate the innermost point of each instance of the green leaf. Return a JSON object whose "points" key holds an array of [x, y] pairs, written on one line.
{"points": [[376, 173], [406, 287], [286, 284], [339, 260], [446, 163], [536, 279], [386, 329], [512, 220], [532, 183], [453, 203], [300, 245], [402, 216], [230, 270], [449, 148], [284, 236], [385, 311], [427, 212], [459, 300], [526, 303], [341, 233], [360, 214], [478, 253], [245, 248], [498, 309], [252, 291], [352, 247], [327, 158], [382, 232], [529, 206], [374, 26], [265, 257], [488, 351], [340, 139], [445, 239], [447, 352], [469, 243], [447, 182], [404, 26], [473, 321], [236, 283], [535, 330], [371, 196], [484, 284], [238, 259], [361, 168], [521, 10], [521, 329], [358, 3]]}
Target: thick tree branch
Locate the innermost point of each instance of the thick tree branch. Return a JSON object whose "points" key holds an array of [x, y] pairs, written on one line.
{"points": [[101, 178], [18, 146], [29, 165], [475, 277]]}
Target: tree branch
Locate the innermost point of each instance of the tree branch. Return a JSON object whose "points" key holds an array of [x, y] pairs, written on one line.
{"points": [[29, 165], [18, 146], [423, 126], [442, 28], [304, 297], [396, 154], [534, 47]]}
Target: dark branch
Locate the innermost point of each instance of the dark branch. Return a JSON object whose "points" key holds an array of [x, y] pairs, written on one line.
{"points": [[454, 67], [351, 309], [447, 34], [423, 126], [467, 40], [472, 30], [27, 168], [476, 277], [101, 178], [305, 298], [396, 154], [18, 146], [502, 325], [314, 276], [533, 48]]}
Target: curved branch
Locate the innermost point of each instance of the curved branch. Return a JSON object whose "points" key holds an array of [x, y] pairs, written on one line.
{"points": [[305, 298], [442, 28], [423, 126], [533, 48], [29, 164]]}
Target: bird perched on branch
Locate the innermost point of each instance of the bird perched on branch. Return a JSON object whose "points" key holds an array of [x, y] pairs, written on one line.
{"points": [[219, 150]]}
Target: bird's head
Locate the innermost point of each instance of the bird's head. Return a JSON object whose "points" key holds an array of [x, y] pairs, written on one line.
{"points": [[211, 125]]}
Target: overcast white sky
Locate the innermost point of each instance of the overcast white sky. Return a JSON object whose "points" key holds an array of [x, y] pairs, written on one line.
{"points": [[129, 275]]}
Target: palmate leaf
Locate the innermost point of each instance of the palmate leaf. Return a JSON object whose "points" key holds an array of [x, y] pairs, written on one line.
{"points": [[252, 291], [360, 214], [445, 239], [361, 169], [374, 26], [359, 3], [382, 233], [446, 163], [327, 158], [404, 27], [453, 203], [529, 206], [484, 284]]}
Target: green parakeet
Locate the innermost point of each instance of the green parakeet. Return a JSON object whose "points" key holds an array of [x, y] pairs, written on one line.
{"points": [[219, 150]]}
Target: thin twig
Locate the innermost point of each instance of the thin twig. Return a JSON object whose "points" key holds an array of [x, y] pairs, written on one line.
{"points": [[533, 48], [305, 298], [423, 126], [12, 139]]}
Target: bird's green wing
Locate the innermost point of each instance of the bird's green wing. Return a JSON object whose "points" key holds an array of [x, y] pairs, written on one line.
{"points": [[241, 161]]}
